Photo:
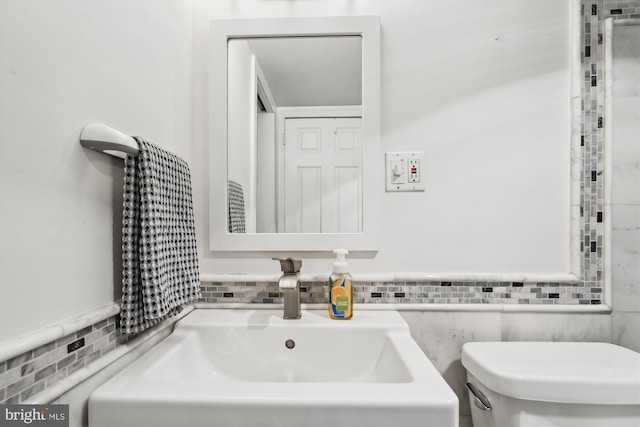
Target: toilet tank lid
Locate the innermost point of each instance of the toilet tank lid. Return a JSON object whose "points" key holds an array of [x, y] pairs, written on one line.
{"points": [[567, 372]]}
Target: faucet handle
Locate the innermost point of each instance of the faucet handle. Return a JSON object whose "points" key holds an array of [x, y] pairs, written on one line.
{"points": [[289, 265]]}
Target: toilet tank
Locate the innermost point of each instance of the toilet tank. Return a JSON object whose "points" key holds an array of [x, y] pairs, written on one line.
{"points": [[554, 384]]}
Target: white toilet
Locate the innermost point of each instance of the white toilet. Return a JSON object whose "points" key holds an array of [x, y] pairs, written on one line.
{"points": [[552, 384]]}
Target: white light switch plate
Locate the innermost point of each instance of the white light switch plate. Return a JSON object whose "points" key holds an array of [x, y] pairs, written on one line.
{"points": [[405, 171]]}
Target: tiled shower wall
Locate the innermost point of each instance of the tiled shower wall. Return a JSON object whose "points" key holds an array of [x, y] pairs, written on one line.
{"points": [[35, 370]]}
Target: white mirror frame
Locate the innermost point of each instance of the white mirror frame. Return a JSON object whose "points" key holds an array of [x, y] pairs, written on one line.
{"points": [[368, 27]]}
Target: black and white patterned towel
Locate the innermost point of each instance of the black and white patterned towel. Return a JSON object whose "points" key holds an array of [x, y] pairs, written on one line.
{"points": [[159, 253], [236, 208]]}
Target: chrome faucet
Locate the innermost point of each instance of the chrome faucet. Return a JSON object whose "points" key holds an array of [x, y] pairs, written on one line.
{"points": [[290, 287]]}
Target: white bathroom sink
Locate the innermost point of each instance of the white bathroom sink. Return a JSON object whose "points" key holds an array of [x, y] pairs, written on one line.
{"points": [[235, 368]]}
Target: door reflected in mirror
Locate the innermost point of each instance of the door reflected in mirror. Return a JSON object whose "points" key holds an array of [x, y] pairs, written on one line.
{"points": [[294, 134]]}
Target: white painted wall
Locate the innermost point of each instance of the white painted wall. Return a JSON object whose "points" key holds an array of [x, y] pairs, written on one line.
{"points": [[63, 64], [482, 87], [491, 116]]}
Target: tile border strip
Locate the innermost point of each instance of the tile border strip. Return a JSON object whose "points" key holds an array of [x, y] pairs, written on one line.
{"points": [[16, 346], [153, 335], [43, 366], [413, 292], [495, 308], [40, 371]]}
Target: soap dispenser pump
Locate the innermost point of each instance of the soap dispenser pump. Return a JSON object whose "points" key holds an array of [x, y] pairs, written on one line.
{"points": [[340, 288]]}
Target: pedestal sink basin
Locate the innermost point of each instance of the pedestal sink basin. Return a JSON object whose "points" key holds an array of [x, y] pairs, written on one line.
{"points": [[252, 368]]}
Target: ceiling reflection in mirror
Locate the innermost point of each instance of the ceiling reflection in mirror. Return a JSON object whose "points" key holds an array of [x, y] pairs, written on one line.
{"points": [[294, 134]]}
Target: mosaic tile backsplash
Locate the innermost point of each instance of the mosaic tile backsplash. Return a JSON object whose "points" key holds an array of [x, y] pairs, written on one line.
{"points": [[411, 293], [29, 373]]}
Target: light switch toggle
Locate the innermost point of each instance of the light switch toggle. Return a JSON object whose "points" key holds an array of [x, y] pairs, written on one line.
{"points": [[398, 171]]}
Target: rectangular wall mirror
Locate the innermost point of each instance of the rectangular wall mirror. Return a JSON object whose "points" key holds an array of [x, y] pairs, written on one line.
{"points": [[295, 159]]}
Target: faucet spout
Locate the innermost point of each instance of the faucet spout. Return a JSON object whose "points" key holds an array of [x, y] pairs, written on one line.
{"points": [[291, 296], [290, 287], [288, 281]]}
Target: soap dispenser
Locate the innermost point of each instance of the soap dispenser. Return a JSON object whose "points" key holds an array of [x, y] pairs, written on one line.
{"points": [[340, 288]]}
